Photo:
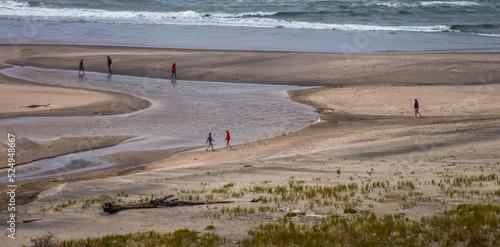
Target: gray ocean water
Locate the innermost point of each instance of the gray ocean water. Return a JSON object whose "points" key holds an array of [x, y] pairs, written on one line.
{"points": [[293, 25]]}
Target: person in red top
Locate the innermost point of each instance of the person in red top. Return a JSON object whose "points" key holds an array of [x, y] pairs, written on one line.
{"points": [[174, 71], [415, 105], [228, 137]]}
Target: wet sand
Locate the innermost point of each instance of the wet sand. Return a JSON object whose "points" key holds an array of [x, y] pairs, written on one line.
{"points": [[183, 113], [367, 133]]}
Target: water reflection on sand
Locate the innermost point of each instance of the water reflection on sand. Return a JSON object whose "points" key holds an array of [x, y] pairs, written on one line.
{"points": [[182, 114]]}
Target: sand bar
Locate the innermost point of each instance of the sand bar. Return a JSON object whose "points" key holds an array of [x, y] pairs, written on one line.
{"points": [[307, 69]]}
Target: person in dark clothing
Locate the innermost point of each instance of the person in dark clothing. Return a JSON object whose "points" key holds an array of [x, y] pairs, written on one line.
{"points": [[210, 140], [416, 107], [80, 68], [109, 64]]}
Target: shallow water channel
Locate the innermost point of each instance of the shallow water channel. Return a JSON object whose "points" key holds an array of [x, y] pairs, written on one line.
{"points": [[182, 115]]}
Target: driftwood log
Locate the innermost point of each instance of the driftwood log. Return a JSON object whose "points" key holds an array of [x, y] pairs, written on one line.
{"points": [[31, 220], [112, 207]]}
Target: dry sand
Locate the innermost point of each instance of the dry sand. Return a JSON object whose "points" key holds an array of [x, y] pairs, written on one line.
{"points": [[367, 133]]}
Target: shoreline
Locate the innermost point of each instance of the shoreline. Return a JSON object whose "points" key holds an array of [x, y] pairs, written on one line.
{"points": [[255, 38], [367, 133]]}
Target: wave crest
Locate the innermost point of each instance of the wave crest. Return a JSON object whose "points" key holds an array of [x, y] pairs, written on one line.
{"points": [[423, 4], [259, 19]]}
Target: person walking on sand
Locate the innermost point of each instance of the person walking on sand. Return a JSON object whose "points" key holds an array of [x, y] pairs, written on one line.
{"points": [[109, 65], [80, 68], [415, 106], [228, 137], [210, 140], [174, 71]]}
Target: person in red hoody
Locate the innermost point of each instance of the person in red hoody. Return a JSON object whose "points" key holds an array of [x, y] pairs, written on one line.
{"points": [[174, 71], [228, 137], [416, 106]]}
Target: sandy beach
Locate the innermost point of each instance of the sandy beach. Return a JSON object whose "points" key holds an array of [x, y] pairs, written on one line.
{"points": [[367, 135]]}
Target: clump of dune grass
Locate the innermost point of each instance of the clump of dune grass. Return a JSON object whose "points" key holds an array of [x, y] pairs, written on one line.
{"points": [[290, 214], [181, 237], [468, 225], [48, 239], [350, 211]]}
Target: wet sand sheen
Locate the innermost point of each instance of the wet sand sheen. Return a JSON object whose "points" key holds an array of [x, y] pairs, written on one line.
{"points": [[182, 114]]}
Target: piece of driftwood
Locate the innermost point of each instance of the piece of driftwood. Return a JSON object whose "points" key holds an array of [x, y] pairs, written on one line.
{"points": [[112, 207], [36, 106], [31, 220]]}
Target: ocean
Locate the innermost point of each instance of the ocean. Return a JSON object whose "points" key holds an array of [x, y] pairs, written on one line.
{"points": [[287, 25]]}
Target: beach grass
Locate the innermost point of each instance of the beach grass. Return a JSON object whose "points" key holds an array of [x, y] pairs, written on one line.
{"points": [[467, 225], [334, 215], [318, 210], [181, 237]]}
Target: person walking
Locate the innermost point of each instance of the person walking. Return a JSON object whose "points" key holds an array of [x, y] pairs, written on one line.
{"points": [[210, 140], [416, 107], [228, 137], [109, 65], [80, 68], [174, 71]]}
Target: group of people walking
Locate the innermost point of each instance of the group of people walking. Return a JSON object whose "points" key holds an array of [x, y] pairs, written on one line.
{"points": [[210, 141], [81, 68]]}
